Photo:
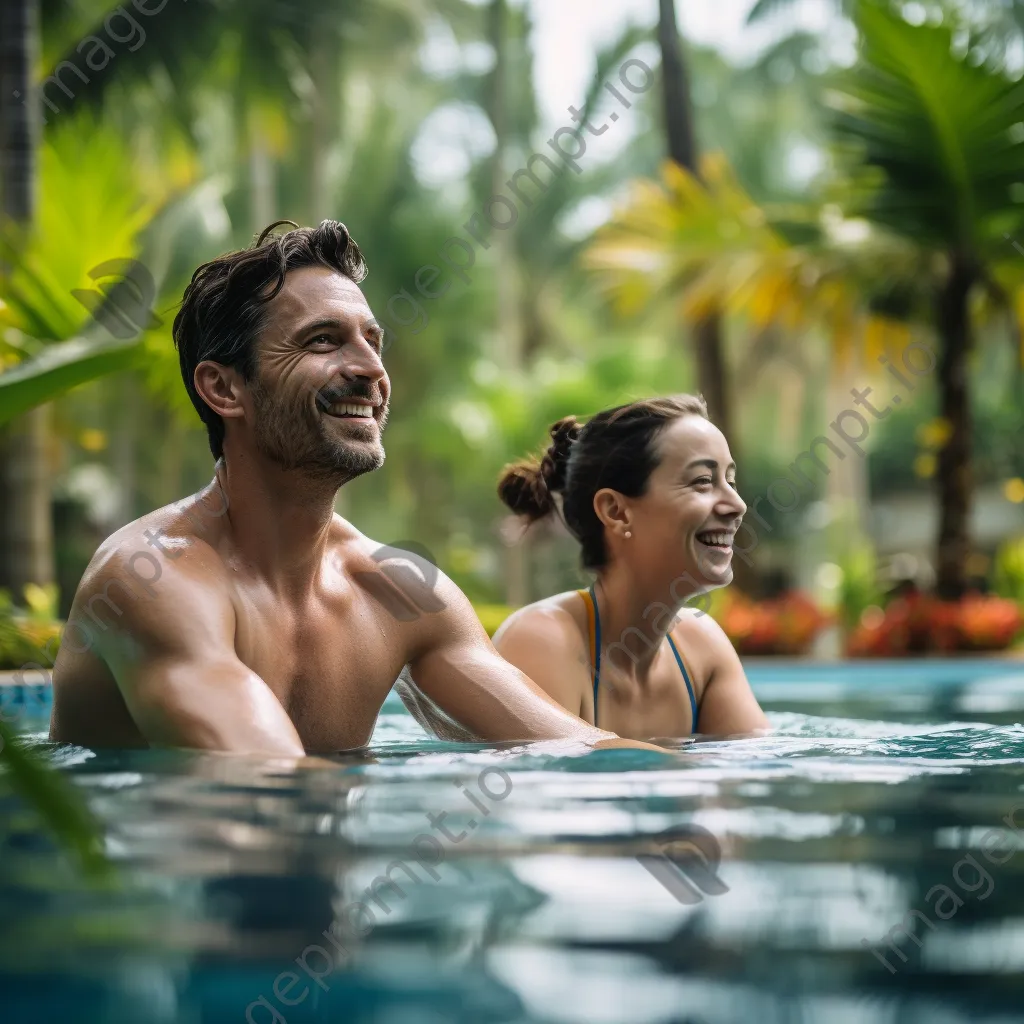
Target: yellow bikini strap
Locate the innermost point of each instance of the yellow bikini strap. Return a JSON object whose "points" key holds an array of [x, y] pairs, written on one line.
{"points": [[588, 602]]}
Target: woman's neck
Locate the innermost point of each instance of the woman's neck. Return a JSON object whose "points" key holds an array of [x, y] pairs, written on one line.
{"points": [[636, 616]]}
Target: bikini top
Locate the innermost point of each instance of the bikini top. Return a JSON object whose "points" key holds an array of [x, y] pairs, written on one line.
{"points": [[594, 630]]}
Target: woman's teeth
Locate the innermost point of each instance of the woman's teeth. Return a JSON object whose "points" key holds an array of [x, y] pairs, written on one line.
{"points": [[350, 409], [716, 540]]}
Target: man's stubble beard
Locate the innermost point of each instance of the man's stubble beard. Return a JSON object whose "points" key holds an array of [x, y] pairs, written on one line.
{"points": [[298, 439]]}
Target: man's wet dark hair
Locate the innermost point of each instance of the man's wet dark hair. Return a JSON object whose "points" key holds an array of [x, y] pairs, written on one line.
{"points": [[224, 307], [616, 448]]}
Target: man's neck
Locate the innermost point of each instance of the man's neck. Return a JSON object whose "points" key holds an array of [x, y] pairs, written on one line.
{"points": [[280, 520]]}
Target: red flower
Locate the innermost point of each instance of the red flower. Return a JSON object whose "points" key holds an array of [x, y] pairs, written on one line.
{"points": [[917, 623]]}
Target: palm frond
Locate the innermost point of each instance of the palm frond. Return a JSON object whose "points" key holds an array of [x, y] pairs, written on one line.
{"points": [[59, 806], [941, 133]]}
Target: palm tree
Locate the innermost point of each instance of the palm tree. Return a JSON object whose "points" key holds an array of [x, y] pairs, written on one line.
{"points": [[682, 148], [26, 539], [940, 135], [695, 245]]}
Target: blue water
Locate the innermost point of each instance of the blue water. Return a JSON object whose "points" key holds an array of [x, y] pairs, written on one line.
{"points": [[880, 783]]}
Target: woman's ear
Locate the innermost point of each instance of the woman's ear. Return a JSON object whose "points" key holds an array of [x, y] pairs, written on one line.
{"points": [[612, 509], [221, 388]]}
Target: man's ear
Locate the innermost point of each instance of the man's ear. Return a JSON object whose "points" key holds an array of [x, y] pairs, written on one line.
{"points": [[221, 388], [611, 508]]}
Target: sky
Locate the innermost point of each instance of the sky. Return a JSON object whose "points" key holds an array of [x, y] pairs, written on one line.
{"points": [[568, 33]]}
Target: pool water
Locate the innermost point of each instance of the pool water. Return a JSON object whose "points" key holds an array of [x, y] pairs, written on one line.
{"points": [[537, 884]]}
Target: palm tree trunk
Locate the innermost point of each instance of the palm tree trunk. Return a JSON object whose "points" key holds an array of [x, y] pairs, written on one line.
{"points": [[675, 90], [954, 475], [26, 529], [711, 374], [682, 148], [507, 324], [708, 347], [262, 178]]}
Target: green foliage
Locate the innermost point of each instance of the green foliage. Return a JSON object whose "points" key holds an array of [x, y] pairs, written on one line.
{"points": [[939, 132], [25, 632], [492, 615], [858, 586], [217, 79], [60, 367], [54, 801], [1008, 570], [90, 212]]}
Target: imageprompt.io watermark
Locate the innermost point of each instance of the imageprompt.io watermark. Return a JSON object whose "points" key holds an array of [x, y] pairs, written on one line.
{"points": [[120, 28], [122, 301], [997, 846], [687, 865]]}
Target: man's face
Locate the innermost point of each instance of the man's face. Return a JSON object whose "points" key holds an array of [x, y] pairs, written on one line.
{"points": [[320, 393]]}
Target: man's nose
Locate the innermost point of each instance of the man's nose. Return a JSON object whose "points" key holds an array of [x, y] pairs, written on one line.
{"points": [[361, 359]]}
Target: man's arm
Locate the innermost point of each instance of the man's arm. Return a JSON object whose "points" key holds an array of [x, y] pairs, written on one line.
{"points": [[428, 714], [172, 655], [459, 670]]}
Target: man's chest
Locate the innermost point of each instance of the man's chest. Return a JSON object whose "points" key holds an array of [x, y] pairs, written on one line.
{"points": [[331, 668]]}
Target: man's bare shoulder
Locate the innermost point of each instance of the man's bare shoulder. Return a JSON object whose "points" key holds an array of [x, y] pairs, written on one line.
{"points": [[153, 573], [194, 524]]}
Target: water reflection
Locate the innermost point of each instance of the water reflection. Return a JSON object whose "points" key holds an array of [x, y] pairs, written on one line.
{"points": [[523, 901]]}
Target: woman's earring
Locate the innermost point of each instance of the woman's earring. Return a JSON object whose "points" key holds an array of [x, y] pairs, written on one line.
{"points": [[628, 534]]}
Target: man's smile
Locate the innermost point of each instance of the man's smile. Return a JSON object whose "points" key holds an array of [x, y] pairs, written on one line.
{"points": [[351, 410]]}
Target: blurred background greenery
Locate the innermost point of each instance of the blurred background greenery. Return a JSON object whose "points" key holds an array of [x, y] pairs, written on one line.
{"points": [[794, 198]]}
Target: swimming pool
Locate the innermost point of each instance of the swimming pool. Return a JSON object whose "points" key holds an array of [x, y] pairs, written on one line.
{"points": [[888, 794]]}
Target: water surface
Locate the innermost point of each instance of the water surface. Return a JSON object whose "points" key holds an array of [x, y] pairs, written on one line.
{"points": [[520, 896]]}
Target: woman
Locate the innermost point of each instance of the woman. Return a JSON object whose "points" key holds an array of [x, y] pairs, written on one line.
{"points": [[649, 491]]}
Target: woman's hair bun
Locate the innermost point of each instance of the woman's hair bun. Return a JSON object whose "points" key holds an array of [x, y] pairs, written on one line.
{"points": [[555, 462], [528, 488]]}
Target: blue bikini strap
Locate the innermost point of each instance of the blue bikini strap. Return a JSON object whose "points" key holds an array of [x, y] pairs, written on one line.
{"points": [[597, 647], [686, 677]]}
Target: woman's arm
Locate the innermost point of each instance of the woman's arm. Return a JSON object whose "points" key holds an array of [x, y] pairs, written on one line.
{"points": [[728, 705]]}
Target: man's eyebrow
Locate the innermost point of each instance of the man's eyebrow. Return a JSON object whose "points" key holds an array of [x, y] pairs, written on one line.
{"points": [[313, 325], [371, 327]]}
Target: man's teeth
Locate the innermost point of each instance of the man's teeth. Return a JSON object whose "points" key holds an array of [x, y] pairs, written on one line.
{"points": [[350, 409], [716, 539]]}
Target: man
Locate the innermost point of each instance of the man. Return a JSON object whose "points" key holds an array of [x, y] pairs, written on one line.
{"points": [[251, 618]]}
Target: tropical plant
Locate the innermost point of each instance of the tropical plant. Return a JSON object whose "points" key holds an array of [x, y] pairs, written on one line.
{"points": [[916, 623], [696, 244], [22, 477], [89, 221], [55, 802], [706, 329], [785, 625], [939, 139], [1008, 570], [859, 588]]}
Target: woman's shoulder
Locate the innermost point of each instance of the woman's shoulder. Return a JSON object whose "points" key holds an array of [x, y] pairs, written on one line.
{"points": [[559, 618], [701, 641], [548, 641], [694, 622]]}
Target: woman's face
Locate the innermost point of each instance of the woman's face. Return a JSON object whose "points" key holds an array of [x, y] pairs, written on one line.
{"points": [[690, 513]]}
